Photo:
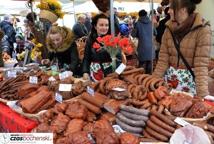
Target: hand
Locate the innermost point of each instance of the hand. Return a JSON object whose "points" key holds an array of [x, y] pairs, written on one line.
{"points": [[86, 76], [45, 62]]}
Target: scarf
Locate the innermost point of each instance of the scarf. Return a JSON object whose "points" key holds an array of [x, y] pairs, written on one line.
{"points": [[184, 28]]}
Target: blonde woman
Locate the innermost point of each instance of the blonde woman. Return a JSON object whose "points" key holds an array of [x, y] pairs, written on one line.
{"points": [[62, 48]]}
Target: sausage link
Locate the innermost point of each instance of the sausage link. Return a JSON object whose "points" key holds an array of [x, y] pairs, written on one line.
{"points": [[162, 124], [135, 123], [134, 110], [159, 129], [129, 128], [156, 135], [163, 118], [134, 116]]}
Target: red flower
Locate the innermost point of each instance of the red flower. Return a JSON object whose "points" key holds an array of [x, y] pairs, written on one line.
{"points": [[124, 42], [96, 45], [100, 39]]}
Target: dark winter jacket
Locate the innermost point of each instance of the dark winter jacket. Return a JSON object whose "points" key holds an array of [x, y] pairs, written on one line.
{"points": [[80, 30], [1, 60], [67, 54], [161, 28], [10, 33], [143, 31]]}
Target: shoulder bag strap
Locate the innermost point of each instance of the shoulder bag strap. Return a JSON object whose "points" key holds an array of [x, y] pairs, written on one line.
{"points": [[177, 46]]}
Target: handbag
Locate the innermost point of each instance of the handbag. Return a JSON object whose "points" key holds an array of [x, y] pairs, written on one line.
{"points": [[177, 46]]}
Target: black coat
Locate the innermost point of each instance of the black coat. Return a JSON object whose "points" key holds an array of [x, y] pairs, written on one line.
{"points": [[161, 28], [80, 30], [67, 54]]}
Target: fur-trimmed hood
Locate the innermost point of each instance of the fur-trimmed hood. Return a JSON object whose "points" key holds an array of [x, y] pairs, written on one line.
{"points": [[67, 41]]}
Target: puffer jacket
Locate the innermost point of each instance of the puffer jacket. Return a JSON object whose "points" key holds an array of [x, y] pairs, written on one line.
{"points": [[195, 47], [67, 53]]}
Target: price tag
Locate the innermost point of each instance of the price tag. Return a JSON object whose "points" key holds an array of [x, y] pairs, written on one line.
{"points": [[119, 89], [90, 91], [33, 80], [120, 69], [118, 129], [65, 75], [58, 97], [65, 87], [12, 104], [52, 79], [181, 122], [11, 74]]}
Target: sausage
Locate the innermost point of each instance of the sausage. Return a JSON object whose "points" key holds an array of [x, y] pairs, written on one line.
{"points": [[146, 105], [161, 124], [152, 98], [156, 134], [154, 107], [97, 100], [90, 106], [154, 82], [135, 70], [134, 110], [146, 80], [134, 116], [129, 128], [158, 129], [147, 85], [160, 109], [136, 102], [148, 140], [135, 123], [163, 118], [143, 76], [145, 134]]}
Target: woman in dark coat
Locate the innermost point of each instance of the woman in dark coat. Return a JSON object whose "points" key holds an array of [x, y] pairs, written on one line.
{"points": [[145, 50], [62, 48], [97, 63]]}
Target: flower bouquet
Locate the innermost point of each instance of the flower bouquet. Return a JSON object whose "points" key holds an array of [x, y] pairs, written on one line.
{"points": [[113, 45]]}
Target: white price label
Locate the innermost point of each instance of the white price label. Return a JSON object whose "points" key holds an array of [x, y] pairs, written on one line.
{"points": [[90, 91], [58, 97], [120, 69], [33, 80], [119, 89], [52, 79], [11, 74], [181, 122], [65, 87], [12, 104], [118, 129], [65, 75]]}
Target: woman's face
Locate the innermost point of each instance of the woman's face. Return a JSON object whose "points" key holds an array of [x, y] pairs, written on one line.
{"points": [[56, 39], [102, 26], [180, 16]]}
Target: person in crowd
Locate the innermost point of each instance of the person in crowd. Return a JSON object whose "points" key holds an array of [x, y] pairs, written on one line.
{"points": [[160, 29], [185, 49], [9, 31], [1, 59], [145, 50], [20, 43], [97, 63], [62, 48], [79, 27], [88, 22]]}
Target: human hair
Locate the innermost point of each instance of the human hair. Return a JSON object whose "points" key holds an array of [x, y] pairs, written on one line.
{"points": [[81, 16], [142, 13], [93, 34], [31, 17], [189, 4], [166, 10]]}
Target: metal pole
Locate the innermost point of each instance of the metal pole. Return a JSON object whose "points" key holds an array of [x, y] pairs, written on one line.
{"points": [[152, 14], [112, 17]]}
